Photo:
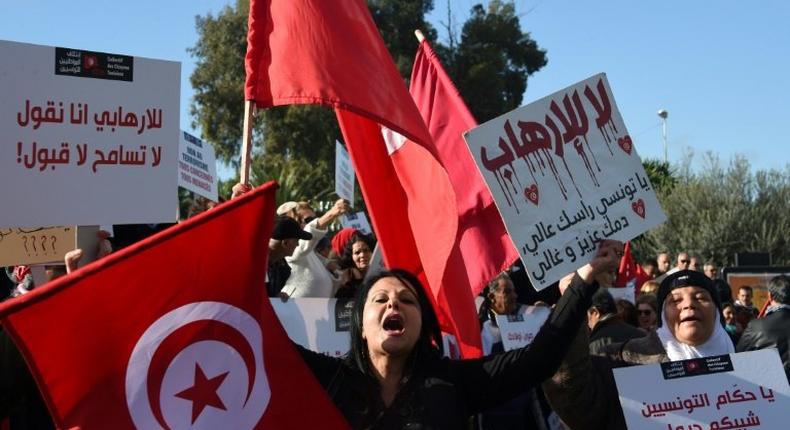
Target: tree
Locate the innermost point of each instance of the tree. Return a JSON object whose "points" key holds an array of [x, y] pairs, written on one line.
{"points": [[719, 210], [493, 60]]}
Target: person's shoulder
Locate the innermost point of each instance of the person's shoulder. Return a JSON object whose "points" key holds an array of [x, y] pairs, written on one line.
{"points": [[643, 350]]}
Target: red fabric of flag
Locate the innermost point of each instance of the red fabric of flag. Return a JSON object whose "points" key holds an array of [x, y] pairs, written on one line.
{"points": [[173, 332], [630, 271], [483, 242], [312, 51]]}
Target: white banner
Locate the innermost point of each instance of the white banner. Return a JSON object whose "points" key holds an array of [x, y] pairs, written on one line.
{"points": [[319, 325], [197, 168], [88, 137], [565, 175], [625, 293], [519, 330], [357, 220], [735, 391], [344, 174]]}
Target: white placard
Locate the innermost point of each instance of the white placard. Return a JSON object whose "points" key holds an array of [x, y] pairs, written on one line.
{"points": [[88, 137], [320, 325], [357, 220], [197, 168], [565, 175], [626, 293], [519, 330], [376, 263], [755, 394], [344, 174]]}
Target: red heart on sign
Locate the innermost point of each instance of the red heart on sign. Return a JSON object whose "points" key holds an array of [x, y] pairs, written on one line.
{"points": [[531, 193], [639, 207], [626, 144]]}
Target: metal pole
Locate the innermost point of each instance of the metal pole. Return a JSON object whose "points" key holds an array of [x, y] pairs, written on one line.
{"points": [[663, 114]]}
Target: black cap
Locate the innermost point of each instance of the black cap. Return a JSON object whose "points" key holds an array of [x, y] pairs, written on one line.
{"points": [[686, 278], [288, 228]]}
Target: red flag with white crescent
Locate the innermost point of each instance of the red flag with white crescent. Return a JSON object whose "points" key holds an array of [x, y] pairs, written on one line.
{"points": [[175, 331]]}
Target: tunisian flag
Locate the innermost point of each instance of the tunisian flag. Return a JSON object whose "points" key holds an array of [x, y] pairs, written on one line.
{"points": [[316, 52], [483, 241], [175, 331], [630, 271]]}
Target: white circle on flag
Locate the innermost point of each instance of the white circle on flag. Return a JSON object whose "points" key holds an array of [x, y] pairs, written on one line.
{"points": [[160, 384]]}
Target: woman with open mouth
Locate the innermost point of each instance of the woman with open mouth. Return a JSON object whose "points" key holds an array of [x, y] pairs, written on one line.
{"points": [[583, 391], [394, 376]]}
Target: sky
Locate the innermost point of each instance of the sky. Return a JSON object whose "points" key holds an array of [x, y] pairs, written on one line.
{"points": [[721, 69]]}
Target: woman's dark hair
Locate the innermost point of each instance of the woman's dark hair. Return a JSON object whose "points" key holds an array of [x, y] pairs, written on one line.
{"points": [[627, 312], [346, 260], [650, 300], [429, 343]]}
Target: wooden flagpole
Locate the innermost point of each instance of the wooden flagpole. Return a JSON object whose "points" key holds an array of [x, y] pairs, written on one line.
{"points": [[246, 144]]}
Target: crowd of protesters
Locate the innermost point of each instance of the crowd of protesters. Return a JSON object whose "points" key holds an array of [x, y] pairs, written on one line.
{"points": [[683, 311]]}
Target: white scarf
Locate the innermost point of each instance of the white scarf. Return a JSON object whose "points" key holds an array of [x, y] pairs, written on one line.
{"points": [[718, 344]]}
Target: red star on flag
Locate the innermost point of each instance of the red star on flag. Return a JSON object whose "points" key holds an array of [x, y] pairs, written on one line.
{"points": [[203, 393]]}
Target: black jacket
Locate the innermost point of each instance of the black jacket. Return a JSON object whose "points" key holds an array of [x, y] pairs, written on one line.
{"points": [[611, 329], [442, 393], [773, 331]]}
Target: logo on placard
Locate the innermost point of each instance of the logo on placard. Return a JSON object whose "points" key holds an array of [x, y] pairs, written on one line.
{"points": [[626, 144], [531, 194], [200, 365], [89, 64], [639, 207]]}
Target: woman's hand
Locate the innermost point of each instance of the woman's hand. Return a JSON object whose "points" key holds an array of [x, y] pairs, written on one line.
{"points": [[607, 259], [239, 190]]}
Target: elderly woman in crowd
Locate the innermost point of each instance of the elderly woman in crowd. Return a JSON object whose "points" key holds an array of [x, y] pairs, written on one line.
{"points": [[394, 376], [583, 391]]}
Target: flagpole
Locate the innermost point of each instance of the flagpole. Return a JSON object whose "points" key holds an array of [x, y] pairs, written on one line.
{"points": [[246, 144], [420, 36]]}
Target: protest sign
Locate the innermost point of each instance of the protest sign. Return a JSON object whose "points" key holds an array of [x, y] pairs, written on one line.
{"points": [[197, 168], [625, 293], [319, 325], [565, 175], [35, 245], [519, 330], [94, 135], [376, 265], [344, 174], [735, 391], [357, 220]]}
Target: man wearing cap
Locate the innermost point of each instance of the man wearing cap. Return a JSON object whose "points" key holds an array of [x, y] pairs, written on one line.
{"points": [[773, 330], [285, 237], [583, 391]]}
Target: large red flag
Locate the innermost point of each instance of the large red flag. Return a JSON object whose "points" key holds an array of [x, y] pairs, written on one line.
{"points": [[312, 51], [173, 332], [483, 241]]}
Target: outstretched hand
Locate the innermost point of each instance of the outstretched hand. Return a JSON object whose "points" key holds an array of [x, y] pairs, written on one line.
{"points": [[607, 259]]}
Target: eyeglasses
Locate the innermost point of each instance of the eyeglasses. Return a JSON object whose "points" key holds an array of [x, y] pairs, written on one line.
{"points": [[645, 312], [685, 261]]}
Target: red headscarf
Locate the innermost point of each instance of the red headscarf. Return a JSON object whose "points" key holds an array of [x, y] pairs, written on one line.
{"points": [[341, 238]]}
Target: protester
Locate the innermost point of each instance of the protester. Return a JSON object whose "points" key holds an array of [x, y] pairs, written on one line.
{"points": [[649, 287], [647, 308], [710, 270], [583, 391], [524, 411], [394, 376], [730, 323], [650, 267], [309, 275], [663, 263], [606, 325], [285, 238], [694, 264], [627, 312], [773, 330], [354, 263], [745, 294]]}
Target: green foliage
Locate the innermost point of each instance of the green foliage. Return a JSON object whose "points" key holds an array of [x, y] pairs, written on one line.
{"points": [[493, 60], [660, 175], [717, 210]]}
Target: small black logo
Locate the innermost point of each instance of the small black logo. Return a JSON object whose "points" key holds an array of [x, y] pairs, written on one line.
{"points": [[89, 64], [696, 366]]}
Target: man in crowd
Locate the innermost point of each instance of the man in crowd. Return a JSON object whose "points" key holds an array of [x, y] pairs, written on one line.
{"points": [[285, 237], [663, 263], [745, 294], [694, 264], [773, 330], [710, 270], [605, 325], [650, 267]]}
